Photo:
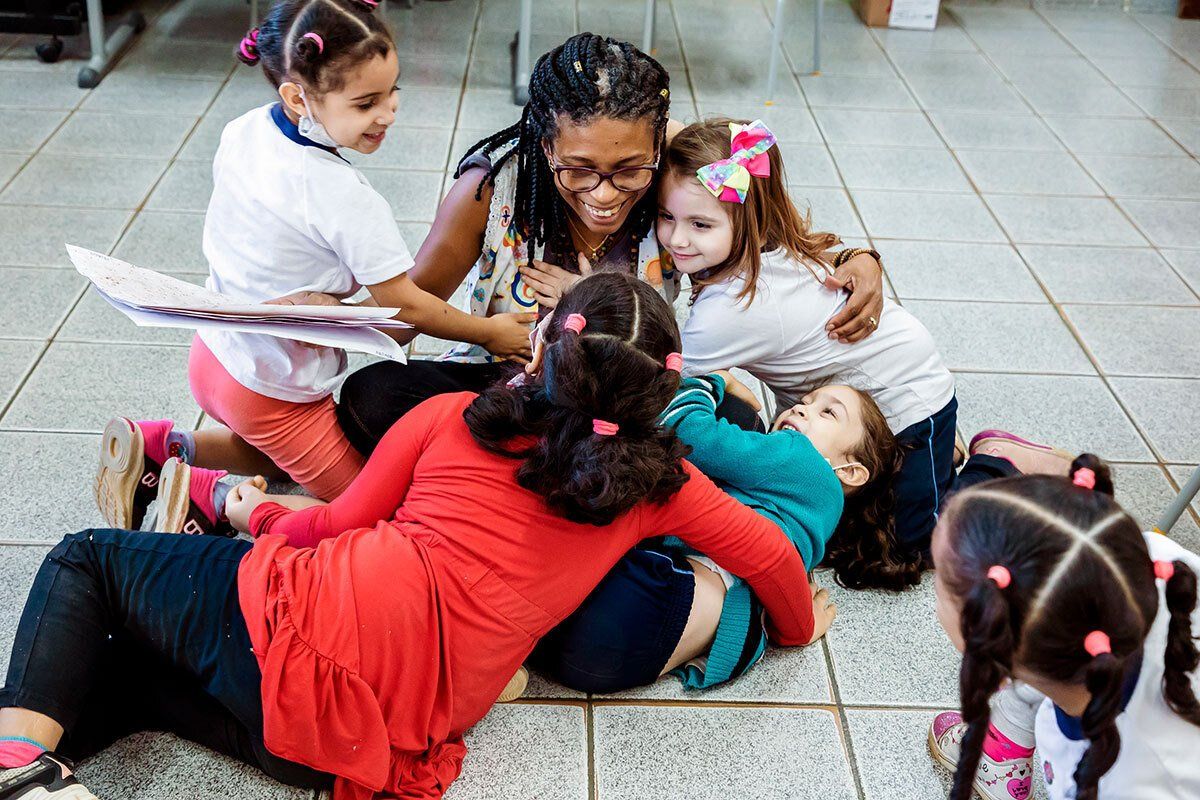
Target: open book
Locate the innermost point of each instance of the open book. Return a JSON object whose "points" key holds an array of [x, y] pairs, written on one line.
{"points": [[152, 299]]}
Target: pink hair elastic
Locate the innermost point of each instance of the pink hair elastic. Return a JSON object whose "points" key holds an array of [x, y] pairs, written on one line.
{"points": [[674, 362], [370, 3], [1084, 478], [1000, 575], [249, 46], [316, 37], [1164, 570], [1097, 643], [602, 427], [575, 322]]}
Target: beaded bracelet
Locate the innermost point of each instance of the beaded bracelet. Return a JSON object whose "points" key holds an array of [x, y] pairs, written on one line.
{"points": [[846, 255]]}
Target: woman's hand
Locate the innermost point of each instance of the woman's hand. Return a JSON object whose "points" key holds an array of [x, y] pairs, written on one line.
{"points": [[737, 389], [824, 612], [243, 499], [550, 282], [863, 277], [510, 336]]}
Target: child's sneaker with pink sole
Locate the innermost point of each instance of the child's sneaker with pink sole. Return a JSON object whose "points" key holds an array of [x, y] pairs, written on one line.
{"points": [[132, 455], [185, 501], [1011, 779]]}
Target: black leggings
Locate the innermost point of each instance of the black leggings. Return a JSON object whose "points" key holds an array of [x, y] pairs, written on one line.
{"points": [[374, 397], [126, 631]]}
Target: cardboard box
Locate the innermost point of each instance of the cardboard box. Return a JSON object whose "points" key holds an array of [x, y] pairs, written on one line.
{"points": [[918, 15]]}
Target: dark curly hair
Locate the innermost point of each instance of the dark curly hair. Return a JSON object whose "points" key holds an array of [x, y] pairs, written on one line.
{"points": [[586, 77], [349, 35], [613, 370], [1078, 564], [864, 552]]}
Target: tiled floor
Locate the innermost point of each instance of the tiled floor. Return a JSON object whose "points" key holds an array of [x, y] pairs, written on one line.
{"points": [[1030, 176]]}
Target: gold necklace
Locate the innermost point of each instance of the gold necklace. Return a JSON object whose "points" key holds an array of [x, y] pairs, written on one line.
{"points": [[592, 251]]}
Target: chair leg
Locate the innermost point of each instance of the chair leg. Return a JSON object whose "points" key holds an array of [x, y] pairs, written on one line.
{"points": [[1179, 504], [776, 44]]}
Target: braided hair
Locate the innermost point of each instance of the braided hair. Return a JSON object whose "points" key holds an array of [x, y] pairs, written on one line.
{"points": [[315, 41], [586, 77], [1074, 568], [613, 372]]}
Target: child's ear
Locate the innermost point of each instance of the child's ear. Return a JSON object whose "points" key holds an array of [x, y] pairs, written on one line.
{"points": [[289, 93], [853, 475]]}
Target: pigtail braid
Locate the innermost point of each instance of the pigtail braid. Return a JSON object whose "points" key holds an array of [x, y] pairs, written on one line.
{"points": [[1103, 681], [1181, 657], [987, 660]]}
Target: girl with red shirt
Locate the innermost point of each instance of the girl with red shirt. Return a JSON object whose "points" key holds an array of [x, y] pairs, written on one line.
{"points": [[354, 643]]}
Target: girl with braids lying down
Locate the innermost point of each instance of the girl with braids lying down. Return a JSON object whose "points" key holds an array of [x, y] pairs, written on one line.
{"points": [[1077, 630], [574, 180]]}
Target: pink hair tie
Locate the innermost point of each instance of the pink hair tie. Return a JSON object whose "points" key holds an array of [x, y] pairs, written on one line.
{"points": [[1097, 643], [249, 46], [1000, 575], [674, 362], [1164, 570], [575, 322], [370, 3], [316, 37], [1084, 478], [602, 427]]}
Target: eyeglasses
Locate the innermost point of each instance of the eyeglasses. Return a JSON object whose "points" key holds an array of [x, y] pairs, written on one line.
{"points": [[584, 179]]}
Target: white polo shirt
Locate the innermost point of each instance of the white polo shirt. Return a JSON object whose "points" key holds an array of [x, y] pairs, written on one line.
{"points": [[288, 215], [1159, 748], [780, 339]]}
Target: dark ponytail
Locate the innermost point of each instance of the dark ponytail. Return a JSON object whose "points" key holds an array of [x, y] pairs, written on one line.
{"points": [[585, 78], [1103, 679], [614, 371], [1181, 657], [1100, 477], [315, 41], [987, 660]]}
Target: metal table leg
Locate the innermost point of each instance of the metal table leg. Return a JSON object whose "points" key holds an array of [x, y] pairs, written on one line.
{"points": [[254, 17], [776, 43], [521, 65], [818, 20], [1179, 504], [106, 51], [648, 28]]}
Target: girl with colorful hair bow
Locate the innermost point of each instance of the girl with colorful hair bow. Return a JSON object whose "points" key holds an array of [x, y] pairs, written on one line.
{"points": [[763, 301], [1078, 636]]}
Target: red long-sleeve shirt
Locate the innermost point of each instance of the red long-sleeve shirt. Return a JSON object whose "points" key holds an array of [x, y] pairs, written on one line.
{"points": [[387, 622]]}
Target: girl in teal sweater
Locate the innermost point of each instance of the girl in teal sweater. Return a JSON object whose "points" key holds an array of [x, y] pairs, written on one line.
{"points": [[665, 607]]}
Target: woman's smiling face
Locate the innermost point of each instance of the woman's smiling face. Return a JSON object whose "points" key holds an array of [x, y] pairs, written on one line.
{"points": [[603, 144]]}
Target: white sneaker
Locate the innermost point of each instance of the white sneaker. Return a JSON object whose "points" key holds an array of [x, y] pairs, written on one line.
{"points": [[516, 686], [45, 779], [994, 780]]}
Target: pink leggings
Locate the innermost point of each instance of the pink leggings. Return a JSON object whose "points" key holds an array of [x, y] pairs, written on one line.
{"points": [[303, 439]]}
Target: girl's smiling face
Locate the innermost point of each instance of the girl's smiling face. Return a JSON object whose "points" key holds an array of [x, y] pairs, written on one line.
{"points": [[358, 114], [692, 225]]}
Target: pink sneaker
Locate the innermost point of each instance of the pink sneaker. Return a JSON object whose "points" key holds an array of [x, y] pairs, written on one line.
{"points": [[994, 780], [1031, 458], [185, 501], [131, 457]]}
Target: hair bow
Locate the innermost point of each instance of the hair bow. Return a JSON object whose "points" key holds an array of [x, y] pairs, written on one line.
{"points": [[729, 178]]}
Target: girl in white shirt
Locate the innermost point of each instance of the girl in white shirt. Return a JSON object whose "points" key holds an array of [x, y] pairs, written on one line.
{"points": [[1046, 581], [762, 300], [290, 218]]}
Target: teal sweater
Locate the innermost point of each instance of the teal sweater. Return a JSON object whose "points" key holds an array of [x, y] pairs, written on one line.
{"points": [[781, 476]]}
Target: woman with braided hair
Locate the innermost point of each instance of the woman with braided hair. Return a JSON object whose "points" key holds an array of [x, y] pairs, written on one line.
{"points": [[566, 190], [1077, 631]]}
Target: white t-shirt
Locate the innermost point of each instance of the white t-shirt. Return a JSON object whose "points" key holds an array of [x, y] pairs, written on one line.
{"points": [[780, 339], [287, 217], [1160, 751]]}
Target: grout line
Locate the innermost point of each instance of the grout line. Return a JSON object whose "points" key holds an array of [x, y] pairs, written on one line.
{"points": [[589, 721]]}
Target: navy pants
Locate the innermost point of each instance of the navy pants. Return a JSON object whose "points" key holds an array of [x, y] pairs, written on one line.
{"points": [[126, 631], [927, 478]]}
